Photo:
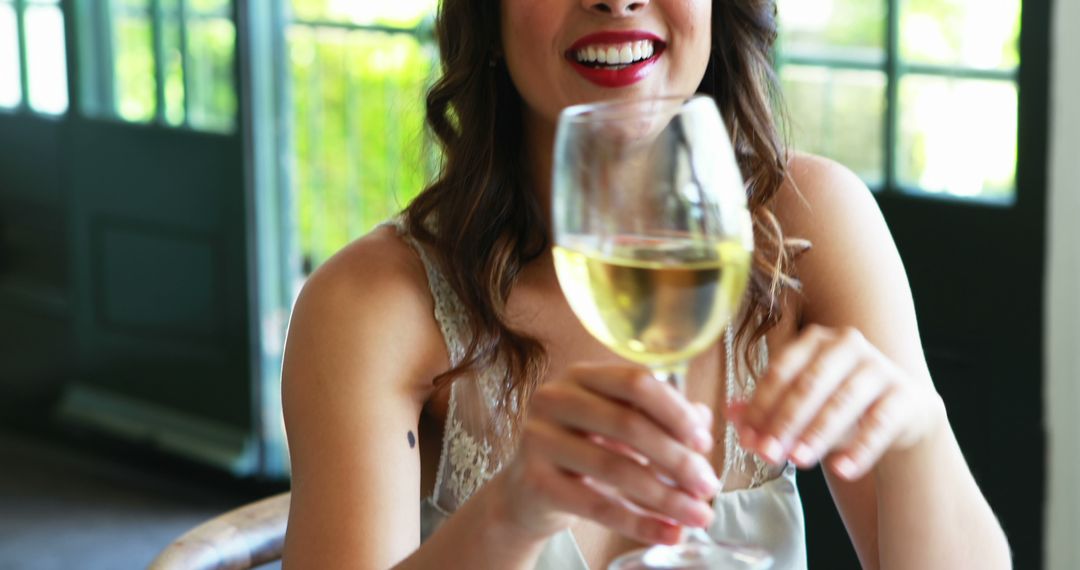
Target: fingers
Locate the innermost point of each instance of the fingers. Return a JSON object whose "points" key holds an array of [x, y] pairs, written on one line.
{"points": [[836, 418], [656, 399], [615, 422], [804, 396], [783, 369], [829, 394], [574, 495], [627, 478], [877, 429]]}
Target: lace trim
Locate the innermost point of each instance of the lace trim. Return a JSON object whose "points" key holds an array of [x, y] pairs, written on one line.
{"points": [[466, 462], [739, 386], [471, 461]]}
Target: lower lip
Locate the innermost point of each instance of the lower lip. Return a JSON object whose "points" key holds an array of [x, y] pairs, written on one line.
{"points": [[623, 77]]}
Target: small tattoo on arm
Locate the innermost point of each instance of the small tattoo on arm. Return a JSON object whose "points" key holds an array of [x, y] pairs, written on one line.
{"points": [[412, 440]]}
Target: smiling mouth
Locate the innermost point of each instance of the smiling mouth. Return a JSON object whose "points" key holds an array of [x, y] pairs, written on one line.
{"points": [[616, 56]]}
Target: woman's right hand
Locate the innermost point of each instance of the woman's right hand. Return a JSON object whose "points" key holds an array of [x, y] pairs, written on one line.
{"points": [[614, 445]]}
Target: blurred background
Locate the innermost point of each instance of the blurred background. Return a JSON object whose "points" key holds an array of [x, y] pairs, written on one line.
{"points": [[171, 170]]}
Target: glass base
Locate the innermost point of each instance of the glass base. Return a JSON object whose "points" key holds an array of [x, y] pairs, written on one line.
{"points": [[694, 556]]}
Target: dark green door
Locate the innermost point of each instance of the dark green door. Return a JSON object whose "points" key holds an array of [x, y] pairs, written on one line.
{"points": [[137, 199]]}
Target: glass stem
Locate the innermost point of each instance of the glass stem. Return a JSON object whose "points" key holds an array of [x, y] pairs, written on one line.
{"points": [[676, 376]]}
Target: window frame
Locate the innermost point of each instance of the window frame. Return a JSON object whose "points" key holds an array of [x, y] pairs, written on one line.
{"points": [[96, 23], [894, 70]]}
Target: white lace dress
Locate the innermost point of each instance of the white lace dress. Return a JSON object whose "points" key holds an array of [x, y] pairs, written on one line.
{"points": [[766, 513]]}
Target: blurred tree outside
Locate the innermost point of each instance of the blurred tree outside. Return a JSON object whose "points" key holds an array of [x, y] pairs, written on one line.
{"points": [[358, 76], [194, 44]]}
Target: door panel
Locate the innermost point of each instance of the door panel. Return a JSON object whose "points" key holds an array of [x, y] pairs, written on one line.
{"points": [[157, 237]]}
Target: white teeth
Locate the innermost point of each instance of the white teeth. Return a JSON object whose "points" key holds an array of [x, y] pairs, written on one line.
{"points": [[612, 55], [621, 54]]}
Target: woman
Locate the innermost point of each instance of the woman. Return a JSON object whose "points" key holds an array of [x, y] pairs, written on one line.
{"points": [[435, 360]]}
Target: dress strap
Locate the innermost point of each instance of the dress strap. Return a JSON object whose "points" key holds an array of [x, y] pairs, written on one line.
{"points": [[475, 440]]}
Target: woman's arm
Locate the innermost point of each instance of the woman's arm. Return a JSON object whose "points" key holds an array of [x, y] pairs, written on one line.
{"points": [[357, 345], [361, 351], [920, 508]]}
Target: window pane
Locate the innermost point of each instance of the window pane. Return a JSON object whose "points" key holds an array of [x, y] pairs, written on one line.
{"points": [[852, 29], [398, 13], [358, 127], [211, 43], [969, 33], [10, 82], [838, 113], [46, 59], [958, 136], [174, 73], [136, 99]]}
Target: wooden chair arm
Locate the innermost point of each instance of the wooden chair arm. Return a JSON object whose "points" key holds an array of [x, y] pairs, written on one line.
{"points": [[243, 538]]}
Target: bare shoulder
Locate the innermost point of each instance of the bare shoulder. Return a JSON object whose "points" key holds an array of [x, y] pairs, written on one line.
{"points": [[852, 255], [372, 299], [820, 194]]}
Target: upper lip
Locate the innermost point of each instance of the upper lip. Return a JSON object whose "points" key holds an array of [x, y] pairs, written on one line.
{"points": [[614, 37]]}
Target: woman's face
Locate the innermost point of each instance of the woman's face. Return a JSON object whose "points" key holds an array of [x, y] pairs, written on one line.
{"points": [[565, 52]]}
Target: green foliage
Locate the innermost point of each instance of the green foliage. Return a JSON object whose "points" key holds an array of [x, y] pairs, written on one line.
{"points": [[208, 91], [134, 69], [359, 146]]}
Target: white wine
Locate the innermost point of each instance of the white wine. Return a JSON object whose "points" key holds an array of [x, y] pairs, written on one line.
{"points": [[657, 302]]}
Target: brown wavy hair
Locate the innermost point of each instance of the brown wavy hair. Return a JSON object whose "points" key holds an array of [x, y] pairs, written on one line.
{"points": [[481, 222]]}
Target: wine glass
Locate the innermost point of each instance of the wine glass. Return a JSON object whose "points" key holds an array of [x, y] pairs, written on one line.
{"points": [[653, 245]]}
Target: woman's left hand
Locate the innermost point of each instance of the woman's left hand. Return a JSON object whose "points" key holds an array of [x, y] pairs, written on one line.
{"points": [[830, 395]]}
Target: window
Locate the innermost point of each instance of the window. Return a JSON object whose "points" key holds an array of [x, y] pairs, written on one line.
{"points": [[33, 62], [918, 96], [358, 72], [169, 62]]}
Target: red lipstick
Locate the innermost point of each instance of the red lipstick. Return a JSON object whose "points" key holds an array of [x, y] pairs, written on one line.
{"points": [[623, 75]]}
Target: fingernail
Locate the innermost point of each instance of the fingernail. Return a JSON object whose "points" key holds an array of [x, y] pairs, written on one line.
{"points": [[748, 437], [706, 414], [735, 410], [703, 440], [668, 534], [706, 484], [771, 450], [803, 454], [845, 467], [694, 512]]}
